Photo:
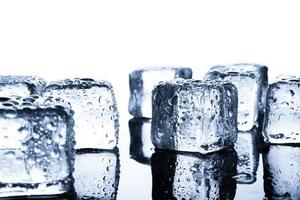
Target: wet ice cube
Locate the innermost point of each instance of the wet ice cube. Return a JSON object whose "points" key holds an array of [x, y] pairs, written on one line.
{"points": [[251, 81], [282, 172], [20, 85], [283, 111], [193, 176], [36, 148], [97, 174], [246, 147], [142, 83], [95, 111], [141, 147], [194, 116]]}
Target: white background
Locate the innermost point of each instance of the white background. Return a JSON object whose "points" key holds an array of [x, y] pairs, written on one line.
{"points": [[106, 39]]}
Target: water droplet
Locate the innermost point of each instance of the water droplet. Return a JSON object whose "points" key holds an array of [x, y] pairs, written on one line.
{"points": [[55, 154], [51, 126], [10, 113], [10, 154], [35, 135]]}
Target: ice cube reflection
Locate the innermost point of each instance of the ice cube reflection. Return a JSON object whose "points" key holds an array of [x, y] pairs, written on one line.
{"points": [[141, 147], [178, 175]]}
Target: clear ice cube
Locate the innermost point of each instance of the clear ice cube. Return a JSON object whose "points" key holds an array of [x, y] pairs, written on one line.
{"points": [[95, 111], [20, 85], [251, 81], [193, 176], [282, 119], [247, 150], [282, 172], [97, 174], [143, 81], [194, 116], [141, 147], [36, 147]]}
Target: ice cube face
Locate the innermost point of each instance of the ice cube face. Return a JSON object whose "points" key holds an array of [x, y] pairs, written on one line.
{"points": [[194, 116], [95, 111], [282, 119], [36, 148], [193, 176], [251, 82], [282, 172], [143, 81], [97, 174], [20, 85], [246, 147], [141, 147]]}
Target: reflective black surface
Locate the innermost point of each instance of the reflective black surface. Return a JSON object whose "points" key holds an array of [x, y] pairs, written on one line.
{"points": [[282, 172], [136, 173], [193, 176], [244, 182]]}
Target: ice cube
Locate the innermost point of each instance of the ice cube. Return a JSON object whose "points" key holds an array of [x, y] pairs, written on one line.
{"points": [[246, 147], [95, 111], [251, 81], [282, 172], [142, 82], [97, 174], [283, 111], [141, 147], [194, 116], [193, 176], [20, 85], [36, 147]]}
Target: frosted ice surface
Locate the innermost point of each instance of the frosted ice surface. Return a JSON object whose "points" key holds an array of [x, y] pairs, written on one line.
{"points": [[246, 147], [251, 81], [36, 147], [282, 121], [95, 111], [194, 116], [20, 85], [143, 81]]}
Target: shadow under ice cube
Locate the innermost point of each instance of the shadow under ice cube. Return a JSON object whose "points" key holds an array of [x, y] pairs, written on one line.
{"points": [[95, 111], [20, 85], [194, 176], [143, 81], [251, 82], [36, 148], [282, 121], [194, 116]]}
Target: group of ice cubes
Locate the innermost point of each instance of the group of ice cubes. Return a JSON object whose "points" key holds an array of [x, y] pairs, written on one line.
{"points": [[37, 145], [199, 116], [95, 111], [143, 81], [281, 125]]}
